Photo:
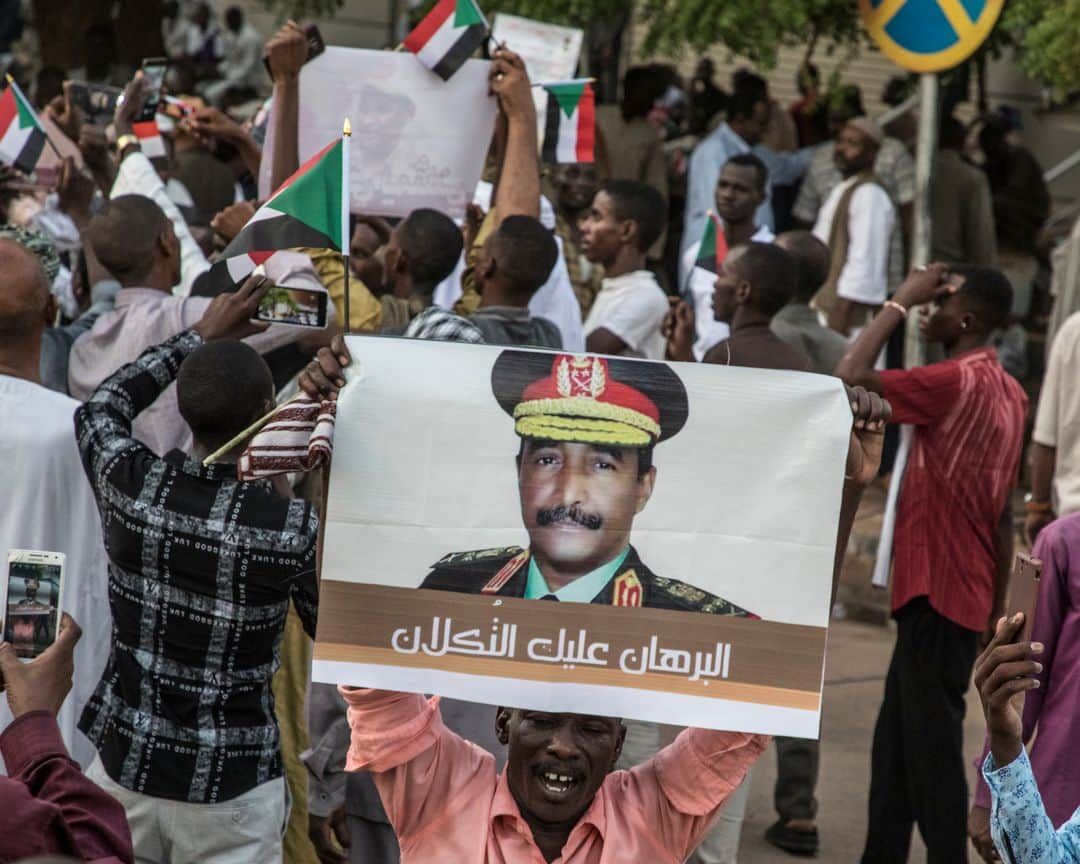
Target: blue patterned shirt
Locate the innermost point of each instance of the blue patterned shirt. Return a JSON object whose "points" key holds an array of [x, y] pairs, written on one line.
{"points": [[1022, 832]]}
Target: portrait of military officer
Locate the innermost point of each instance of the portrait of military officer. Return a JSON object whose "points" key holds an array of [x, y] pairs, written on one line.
{"points": [[588, 427]]}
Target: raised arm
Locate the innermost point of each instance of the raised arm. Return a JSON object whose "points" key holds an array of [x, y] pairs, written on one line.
{"points": [[419, 766], [286, 54], [857, 367], [517, 190], [136, 176]]}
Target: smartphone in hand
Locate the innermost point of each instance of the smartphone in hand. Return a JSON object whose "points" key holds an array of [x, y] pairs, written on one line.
{"points": [[154, 70], [32, 594], [1024, 591]]}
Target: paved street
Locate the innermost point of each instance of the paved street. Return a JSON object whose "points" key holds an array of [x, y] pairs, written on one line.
{"points": [[857, 659]]}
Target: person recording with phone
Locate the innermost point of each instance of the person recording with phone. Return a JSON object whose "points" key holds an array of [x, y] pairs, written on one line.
{"points": [[50, 807], [1022, 831], [203, 569], [948, 583], [1051, 715]]}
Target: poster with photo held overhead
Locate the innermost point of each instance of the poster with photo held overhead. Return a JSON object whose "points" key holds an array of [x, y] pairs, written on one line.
{"points": [[583, 533]]}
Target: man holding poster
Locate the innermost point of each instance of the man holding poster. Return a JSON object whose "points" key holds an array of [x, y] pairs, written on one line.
{"points": [[585, 470], [558, 797]]}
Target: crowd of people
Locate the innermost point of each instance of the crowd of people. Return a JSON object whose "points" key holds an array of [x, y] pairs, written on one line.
{"points": [[173, 719]]}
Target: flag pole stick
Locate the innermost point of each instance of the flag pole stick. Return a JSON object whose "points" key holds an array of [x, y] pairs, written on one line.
{"points": [[12, 83], [249, 431], [346, 134]]}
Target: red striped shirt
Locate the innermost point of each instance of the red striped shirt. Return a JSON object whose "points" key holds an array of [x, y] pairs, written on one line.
{"points": [[968, 415]]}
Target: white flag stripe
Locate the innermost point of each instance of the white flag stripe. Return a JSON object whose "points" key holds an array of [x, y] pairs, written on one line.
{"points": [[440, 43], [566, 149], [13, 141], [239, 266]]}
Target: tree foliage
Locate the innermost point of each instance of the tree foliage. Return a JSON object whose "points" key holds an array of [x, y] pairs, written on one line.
{"points": [[1047, 33], [302, 9], [755, 30]]}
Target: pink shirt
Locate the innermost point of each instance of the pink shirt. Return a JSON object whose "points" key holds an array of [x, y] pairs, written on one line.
{"points": [[142, 319], [447, 803]]}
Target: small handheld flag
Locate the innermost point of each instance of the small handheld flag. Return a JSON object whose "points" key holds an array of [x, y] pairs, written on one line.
{"points": [[150, 140], [448, 35], [569, 121], [21, 137], [305, 211], [714, 248]]}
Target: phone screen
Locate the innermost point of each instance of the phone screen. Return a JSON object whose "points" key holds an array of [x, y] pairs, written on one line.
{"points": [[154, 70], [96, 100], [296, 306], [33, 606]]}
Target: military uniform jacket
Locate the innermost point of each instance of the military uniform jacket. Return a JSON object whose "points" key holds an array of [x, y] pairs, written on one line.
{"points": [[504, 572]]}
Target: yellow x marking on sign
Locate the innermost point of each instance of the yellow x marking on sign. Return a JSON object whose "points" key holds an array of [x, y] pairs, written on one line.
{"points": [[962, 35]]}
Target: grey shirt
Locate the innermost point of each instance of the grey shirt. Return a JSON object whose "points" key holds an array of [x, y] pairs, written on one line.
{"points": [[798, 325], [513, 325], [56, 342]]}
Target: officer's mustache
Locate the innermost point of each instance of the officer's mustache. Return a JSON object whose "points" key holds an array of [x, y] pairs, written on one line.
{"points": [[562, 513]]}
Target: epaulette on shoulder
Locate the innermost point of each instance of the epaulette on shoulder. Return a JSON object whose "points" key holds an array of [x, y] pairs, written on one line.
{"points": [[682, 592], [457, 558]]}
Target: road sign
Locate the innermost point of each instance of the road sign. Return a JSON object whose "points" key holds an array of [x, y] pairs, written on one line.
{"points": [[929, 35]]}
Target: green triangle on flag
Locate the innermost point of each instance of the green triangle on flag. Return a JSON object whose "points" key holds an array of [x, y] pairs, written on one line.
{"points": [[313, 194], [707, 252], [27, 117], [567, 95], [466, 14]]}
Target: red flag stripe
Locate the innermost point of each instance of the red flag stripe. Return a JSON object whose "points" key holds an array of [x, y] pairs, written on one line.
{"points": [[586, 130], [149, 129], [9, 111], [432, 22], [721, 239], [303, 169]]}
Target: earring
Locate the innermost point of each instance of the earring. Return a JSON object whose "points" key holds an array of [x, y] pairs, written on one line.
{"points": [[963, 325]]}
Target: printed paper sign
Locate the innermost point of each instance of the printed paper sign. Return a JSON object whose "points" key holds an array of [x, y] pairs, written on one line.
{"points": [[583, 533], [418, 141], [550, 52]]}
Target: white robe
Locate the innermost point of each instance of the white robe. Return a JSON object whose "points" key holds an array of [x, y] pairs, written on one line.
{"points": [[48, 505]]}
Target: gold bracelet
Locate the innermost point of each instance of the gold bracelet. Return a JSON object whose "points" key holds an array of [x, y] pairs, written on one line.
{"points": [[127, 140], [899, 307]]}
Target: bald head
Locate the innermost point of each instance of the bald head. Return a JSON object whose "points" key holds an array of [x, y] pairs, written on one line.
{"points": [[130, 236], [24, 294], [812, 256]]}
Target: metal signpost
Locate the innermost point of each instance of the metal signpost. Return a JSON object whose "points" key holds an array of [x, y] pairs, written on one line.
{"points": [[924, 36]]}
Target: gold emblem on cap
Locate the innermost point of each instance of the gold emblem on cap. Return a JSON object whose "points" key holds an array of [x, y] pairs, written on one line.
{"points": [[580, 377]]}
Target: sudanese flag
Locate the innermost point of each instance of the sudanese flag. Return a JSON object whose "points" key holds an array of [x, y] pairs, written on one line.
{"points": [[569, 121], [447, 36], [714, 248], [310, 209], [21, 137]]}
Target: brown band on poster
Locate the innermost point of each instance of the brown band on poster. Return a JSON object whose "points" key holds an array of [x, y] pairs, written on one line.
{"points": [[765, 662]]}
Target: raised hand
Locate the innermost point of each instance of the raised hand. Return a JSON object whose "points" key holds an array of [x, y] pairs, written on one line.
{"points": [[323, 377], [286, 53], [870, 414], [44, 682], [678, 330], [229, 315], [1004, 670]]}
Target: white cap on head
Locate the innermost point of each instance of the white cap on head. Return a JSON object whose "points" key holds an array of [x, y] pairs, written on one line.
{"points": [[869, 128]]}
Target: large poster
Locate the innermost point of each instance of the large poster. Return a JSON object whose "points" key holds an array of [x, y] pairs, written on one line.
{"points": [[417, 141], [583, 533]]}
